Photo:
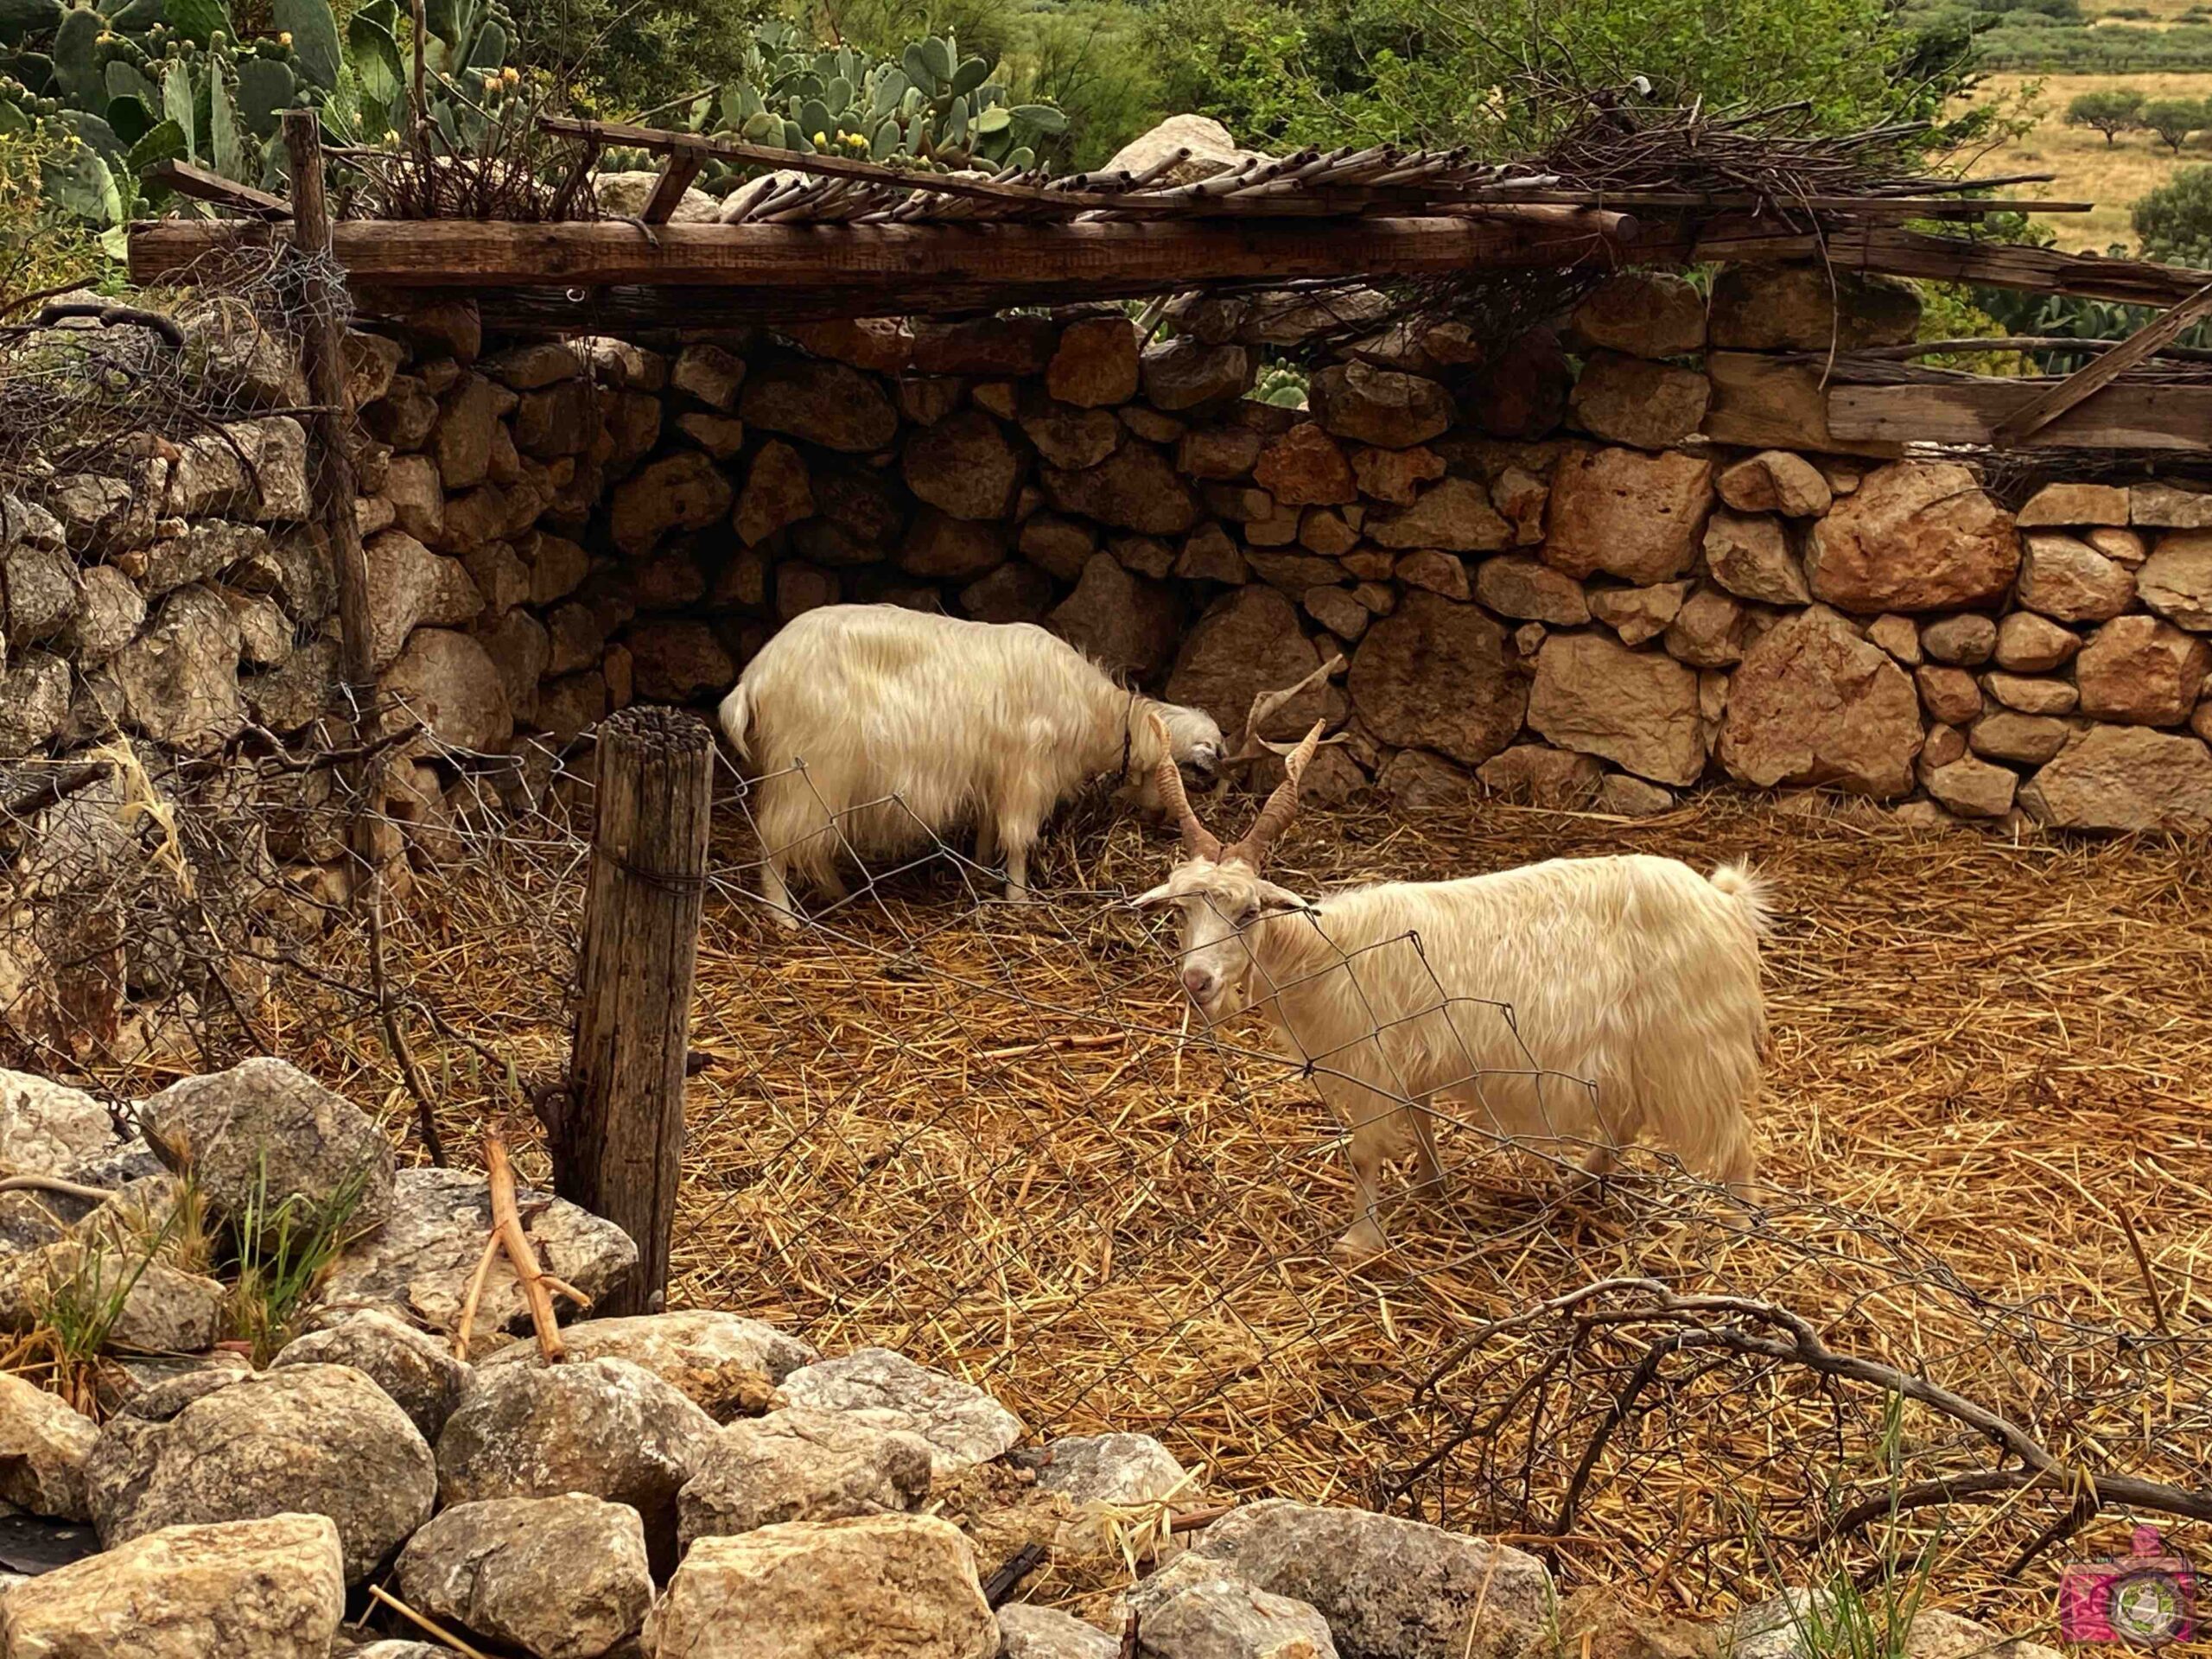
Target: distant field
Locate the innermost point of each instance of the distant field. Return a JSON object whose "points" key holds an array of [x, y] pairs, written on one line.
{"points": [[2088, 170]]}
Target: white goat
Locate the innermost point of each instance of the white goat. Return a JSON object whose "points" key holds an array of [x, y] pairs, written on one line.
{"points": [[877, 728], [1632, 985]]}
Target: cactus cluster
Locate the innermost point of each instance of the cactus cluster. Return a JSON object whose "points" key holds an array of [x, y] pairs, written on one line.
{"points": [[123, 84], [931, 107]]}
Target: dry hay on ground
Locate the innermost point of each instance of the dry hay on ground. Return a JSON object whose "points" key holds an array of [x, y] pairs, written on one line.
{"points": [[978, 1134]]}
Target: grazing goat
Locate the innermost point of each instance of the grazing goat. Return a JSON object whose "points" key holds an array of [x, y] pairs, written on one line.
{"points": [[876, 728], [1575, 1003]]}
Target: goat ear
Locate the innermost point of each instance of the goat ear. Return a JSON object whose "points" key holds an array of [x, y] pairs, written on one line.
{"points": [[1152, 900], [1274, 901]]}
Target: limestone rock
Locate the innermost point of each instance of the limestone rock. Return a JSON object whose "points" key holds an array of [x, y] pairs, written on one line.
{"points": [[1378, 406], [561, 1578], [49, 1128], [1218, 1616], [624, 196], [1809, 307], [421, 1259], [1897, 635], [1013, 592], [1914, 536], [2032, 694], [963, 465], [1636, 516], [1631, 797], [418, 1371], [1787, 1627], [602, 1427], [2176, 580], [460, 443], [156, 1308], [888, 1587], [1206, 146], [1776, 480], [1027, 1632], [1530, 590], [1122, 621], [1111, 1469], [1095, 364], [2138, 670], [1631, 400], [1221, 452], [2061, 505], [1134, 488], [1949, 695], [314, 1439], [1435, 675], [1638, 709], [1454, 515], [1437, 573], [710, 373], [180, 678], [264, 1132], [1336, 610], [964, 1425], [802, 1463], [1247, 642], [410, 586], [1964, 641], [683, 491], [823, 402], [1972, 788], [261, 1589], [1638, 614], [2028, 644], [2072, 581], [448, 681], [694, 1350], [1069, 438], [2125, 777], [1188, 376], [1534, 774], [43, 1445], [1814, 704], [110, 613], [2029, 739], [1306, 467], [2169, 507], [1643, 313], [678, 661], [1389, 1588], [1002, 348], [41, 590], [1416, 778], [1061, 547], [1710, 631]]}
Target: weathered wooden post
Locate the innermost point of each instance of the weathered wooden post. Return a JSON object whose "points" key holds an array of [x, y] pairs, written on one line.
{"points": [[618, 1139]]}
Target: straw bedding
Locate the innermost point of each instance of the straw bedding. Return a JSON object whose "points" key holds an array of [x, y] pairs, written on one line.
{"points": [[982, 1135]]}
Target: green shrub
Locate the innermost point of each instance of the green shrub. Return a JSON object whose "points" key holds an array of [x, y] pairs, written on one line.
{"points": [[2174, 222]]}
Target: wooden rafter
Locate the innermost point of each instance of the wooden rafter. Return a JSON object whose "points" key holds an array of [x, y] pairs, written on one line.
{"points": [[2093, 378]]}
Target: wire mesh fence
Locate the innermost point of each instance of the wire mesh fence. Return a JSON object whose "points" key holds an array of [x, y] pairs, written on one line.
{"points": [[992, 1136]]}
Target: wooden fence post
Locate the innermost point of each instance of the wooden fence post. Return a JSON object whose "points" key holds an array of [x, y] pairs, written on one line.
{"points": [[618, 1139]]}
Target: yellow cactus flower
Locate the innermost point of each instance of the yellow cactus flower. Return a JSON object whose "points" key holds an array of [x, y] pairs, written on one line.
{"points": [[512, 75], [491, 85], [820, 138]]}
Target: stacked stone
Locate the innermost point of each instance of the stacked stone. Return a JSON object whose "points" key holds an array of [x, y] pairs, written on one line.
{"points": [[1570, 590]]}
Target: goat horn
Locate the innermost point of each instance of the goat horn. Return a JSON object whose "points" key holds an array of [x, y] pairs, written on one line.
{"points": [[1283, 805], [1198, 841]]}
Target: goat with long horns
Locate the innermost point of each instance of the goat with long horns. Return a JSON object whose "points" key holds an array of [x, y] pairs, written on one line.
{"points": [[1567, 1007]]}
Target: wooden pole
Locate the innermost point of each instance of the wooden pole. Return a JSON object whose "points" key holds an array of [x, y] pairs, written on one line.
{"points": [[618, 1139], [331, 489], [329, 428]]}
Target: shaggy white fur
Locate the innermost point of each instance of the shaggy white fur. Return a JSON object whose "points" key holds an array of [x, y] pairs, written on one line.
{"points": [[872, 728]]}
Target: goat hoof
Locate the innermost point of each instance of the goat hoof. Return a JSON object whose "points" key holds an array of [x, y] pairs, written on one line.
{"points": [[1363, 1242]]}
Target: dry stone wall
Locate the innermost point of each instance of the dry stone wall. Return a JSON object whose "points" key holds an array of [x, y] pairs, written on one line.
{"points": [[1585, 569]]}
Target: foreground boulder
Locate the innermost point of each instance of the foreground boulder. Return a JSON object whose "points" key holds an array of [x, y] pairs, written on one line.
{"points": [[148, 1307], [802, 1465], [264, 1132], [707, 1355], [1197, 1608], [307, 1440], [43, 1445], [1914, 536], [602, 1427], [1390, 1589], [564, 1578], [48, 1128], [1433, 675], [266, 1589], [2125, 777], [888, 1587], [1110, 1468], [421, 1260], [417, 1370], [963, 1425], [1793, 1625], [1027, 1632]]}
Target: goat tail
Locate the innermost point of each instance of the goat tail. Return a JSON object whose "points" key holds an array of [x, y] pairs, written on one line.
{"points": [[1752, 894], [735, 715]]}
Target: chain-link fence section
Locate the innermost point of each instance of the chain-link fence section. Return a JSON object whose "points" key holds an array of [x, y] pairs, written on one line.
{"points": [[990, 1135]]}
